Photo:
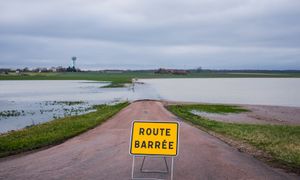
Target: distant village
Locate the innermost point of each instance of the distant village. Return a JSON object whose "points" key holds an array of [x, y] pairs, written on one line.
{"points": [[39, 70], [172, 71], [73, 68]]}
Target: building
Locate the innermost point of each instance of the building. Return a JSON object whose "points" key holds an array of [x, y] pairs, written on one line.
{"points": [[172, 71]]}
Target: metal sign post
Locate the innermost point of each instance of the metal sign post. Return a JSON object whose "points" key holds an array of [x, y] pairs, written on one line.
{"points": [[154, 139], [152, 171]]}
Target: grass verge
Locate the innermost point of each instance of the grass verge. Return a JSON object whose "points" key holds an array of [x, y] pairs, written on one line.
{"points": [[280, 142], [127, 76], [56, 131], [218, 108], [114, 85]]}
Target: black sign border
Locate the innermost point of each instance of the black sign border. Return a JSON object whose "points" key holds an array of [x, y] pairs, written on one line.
{"points": [[151, 121]]}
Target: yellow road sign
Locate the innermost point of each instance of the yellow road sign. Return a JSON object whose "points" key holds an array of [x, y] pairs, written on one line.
{"points": [[154, 138]]}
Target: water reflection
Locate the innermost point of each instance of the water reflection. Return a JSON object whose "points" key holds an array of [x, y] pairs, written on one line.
{"points": [[23, 103], [26, 103], [262, 91]]}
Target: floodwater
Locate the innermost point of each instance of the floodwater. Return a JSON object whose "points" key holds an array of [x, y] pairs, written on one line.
{"points": [[257, 91], [26, 103]]}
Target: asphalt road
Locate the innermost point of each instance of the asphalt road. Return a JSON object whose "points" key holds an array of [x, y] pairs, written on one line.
{"points": [[103, 153]]}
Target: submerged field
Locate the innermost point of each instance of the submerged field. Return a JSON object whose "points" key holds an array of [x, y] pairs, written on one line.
{"points": [[118, 79], [280, 142], [56, 131]]}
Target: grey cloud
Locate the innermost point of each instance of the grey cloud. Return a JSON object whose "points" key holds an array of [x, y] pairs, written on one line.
{"points": [[150, 34]]}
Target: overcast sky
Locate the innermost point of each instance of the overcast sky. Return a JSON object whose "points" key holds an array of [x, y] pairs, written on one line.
{"points": [[145, 34]]}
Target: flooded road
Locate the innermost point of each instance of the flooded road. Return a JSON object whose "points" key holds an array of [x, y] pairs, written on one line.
{"points": [[26, 103]]}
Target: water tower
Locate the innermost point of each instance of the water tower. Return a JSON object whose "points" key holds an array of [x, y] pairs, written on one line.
{"points": [[73, 61]]}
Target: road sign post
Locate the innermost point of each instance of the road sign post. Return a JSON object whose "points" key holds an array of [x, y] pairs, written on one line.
{"points": [[154, 139]]}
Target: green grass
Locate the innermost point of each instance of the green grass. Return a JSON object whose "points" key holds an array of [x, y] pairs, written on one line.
{"points": [[281, 142], [93, 76], [118, 79], [55, 131], [114, 85], [219, 109]]}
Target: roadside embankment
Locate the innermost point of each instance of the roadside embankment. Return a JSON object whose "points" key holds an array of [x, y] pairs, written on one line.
{"points": [[56, 131], [277, 144]]}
